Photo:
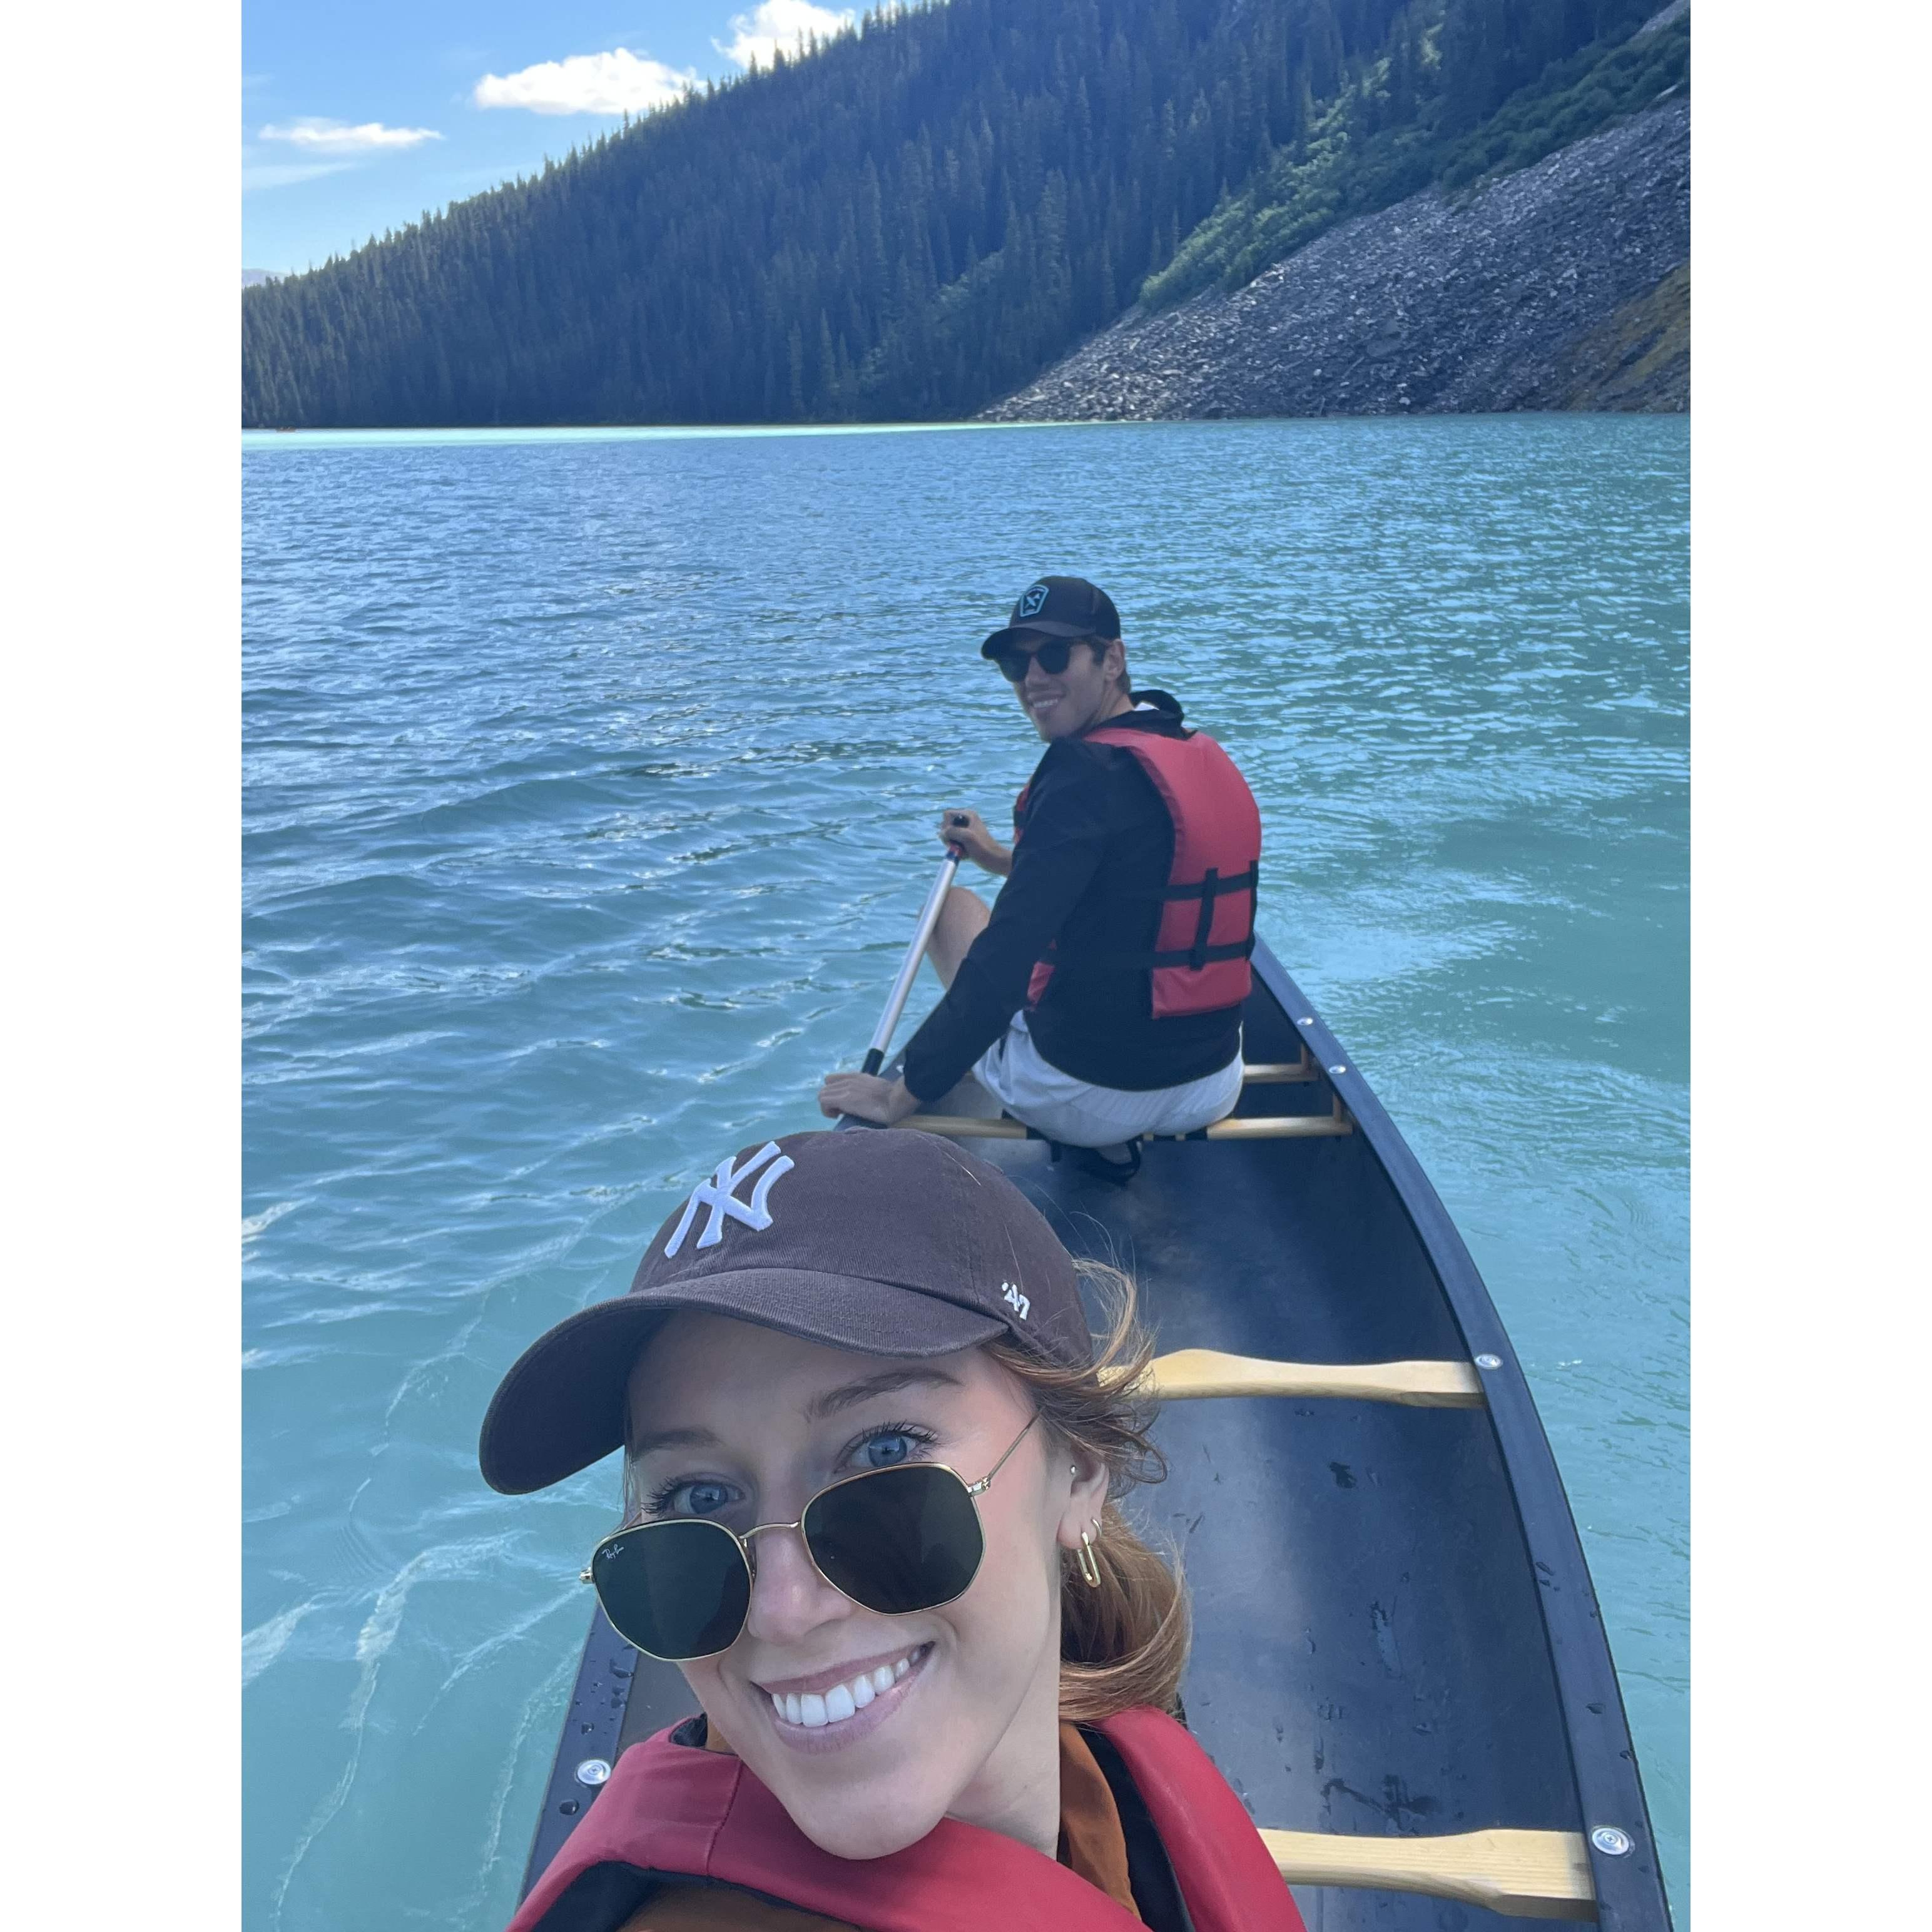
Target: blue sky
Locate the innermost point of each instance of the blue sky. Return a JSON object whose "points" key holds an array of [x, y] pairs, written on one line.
{"points": [[357, 116]]}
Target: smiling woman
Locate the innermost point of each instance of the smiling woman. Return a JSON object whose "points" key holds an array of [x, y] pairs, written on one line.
{"points": [[873, 1462]]}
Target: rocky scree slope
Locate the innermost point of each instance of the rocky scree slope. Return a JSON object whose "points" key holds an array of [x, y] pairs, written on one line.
{"points": [[1566, 285]]}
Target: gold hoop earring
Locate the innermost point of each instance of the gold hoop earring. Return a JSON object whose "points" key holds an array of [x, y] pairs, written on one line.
{"points": [[1090, 1570]]}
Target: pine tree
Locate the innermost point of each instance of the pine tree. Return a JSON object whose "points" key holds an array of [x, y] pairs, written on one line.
{"points": [[906, 220]]}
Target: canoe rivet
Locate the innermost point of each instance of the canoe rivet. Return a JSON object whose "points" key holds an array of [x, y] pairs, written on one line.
{"points": [[592, 1771], [1489, 1361], [1338, 1069], [1306, 1019], [1611, 1843]]}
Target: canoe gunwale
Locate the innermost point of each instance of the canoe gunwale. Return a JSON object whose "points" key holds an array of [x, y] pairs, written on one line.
{"points": [[1629, 1886], [1630, 1896], [591, 1727]]}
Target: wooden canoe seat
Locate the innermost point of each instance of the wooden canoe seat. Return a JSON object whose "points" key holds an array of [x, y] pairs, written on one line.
{"points": [[1189, 1373], [1279, 1073], [1235, 1127], [1278, 1126], [1522, 1874]]}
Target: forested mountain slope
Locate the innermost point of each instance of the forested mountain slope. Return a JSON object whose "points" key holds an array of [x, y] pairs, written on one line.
{"points": [[918, 218], [1562, 285], [1373, 145]]}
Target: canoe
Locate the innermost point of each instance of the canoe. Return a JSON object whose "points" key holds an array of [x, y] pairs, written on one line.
{"points": [[1399, 1662]]}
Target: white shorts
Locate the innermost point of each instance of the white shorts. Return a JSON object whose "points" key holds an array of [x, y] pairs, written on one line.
{"points": [[1077, 1115]]}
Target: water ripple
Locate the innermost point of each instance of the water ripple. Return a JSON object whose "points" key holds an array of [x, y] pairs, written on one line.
{"points": [[589, 783]]}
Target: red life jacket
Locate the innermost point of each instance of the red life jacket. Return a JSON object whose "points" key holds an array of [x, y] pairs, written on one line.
{"points": [[674, 1809], [1199, 961]]}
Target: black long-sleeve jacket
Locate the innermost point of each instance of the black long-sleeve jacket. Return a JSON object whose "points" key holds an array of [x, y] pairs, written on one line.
{"points": [[1098, 843]]}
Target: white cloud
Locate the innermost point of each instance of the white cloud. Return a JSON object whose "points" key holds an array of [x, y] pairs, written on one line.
{"points": [[780, 23], [286, 174], [322, 136], [618, 82]]}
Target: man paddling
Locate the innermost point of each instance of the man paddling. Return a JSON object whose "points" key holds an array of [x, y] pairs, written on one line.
{"points": [[1101, 998]]}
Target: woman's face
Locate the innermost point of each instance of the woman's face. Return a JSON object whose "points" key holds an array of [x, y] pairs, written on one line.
{"points": [[744, 1424]]}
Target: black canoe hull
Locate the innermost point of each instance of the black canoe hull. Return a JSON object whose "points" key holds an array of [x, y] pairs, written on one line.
{"points": [[1396, 1633]]}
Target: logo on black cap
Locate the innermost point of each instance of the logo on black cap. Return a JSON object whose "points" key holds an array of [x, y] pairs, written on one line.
{"points": [[718, 1194], [1033, 602]]}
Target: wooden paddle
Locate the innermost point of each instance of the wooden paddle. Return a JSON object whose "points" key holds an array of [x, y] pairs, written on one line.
{"points": [[1524, 1874]]}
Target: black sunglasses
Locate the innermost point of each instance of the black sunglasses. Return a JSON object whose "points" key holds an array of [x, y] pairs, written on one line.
{"points": [[894, 1540], [1052, 657]]}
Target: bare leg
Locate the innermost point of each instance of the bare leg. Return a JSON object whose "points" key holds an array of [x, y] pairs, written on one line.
{"points": [[962, 920]]}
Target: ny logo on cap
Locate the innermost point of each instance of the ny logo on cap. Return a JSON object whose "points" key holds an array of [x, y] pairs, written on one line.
{"points": [[718, 1194], [1032, 602]]}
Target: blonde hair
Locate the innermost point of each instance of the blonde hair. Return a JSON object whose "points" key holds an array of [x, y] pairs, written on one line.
{"points": [[1125, 1642]]}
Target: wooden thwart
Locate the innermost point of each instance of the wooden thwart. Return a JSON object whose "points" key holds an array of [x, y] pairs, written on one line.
{"points": [[1279, 1073], [1236, 1127], [1522, 1874], [1189, 1372], [1281, 1126]]}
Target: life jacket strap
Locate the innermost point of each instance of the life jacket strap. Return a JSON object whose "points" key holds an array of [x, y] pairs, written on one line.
{"points": [[1195, 958], [1204, 925], [1249, 881]]}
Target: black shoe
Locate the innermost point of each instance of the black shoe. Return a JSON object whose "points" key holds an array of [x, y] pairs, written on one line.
{"points": [[1099, 1161]]}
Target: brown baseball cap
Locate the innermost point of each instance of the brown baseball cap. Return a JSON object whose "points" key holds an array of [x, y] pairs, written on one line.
{"points": [[893, 1243]]}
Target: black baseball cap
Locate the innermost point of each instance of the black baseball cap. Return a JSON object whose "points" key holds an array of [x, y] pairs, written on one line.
{"points": [[1056, 607], [887, 1243]]}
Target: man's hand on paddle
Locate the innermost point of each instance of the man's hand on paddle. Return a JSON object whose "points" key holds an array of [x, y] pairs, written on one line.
{"points": [[951, 925], [966, 830], [867, 1096]]}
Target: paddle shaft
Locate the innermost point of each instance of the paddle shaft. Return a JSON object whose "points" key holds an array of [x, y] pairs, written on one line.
{"points": [[928, 917]]}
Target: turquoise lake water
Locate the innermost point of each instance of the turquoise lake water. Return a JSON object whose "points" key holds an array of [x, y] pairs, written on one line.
{"points": [[589, 780]]}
